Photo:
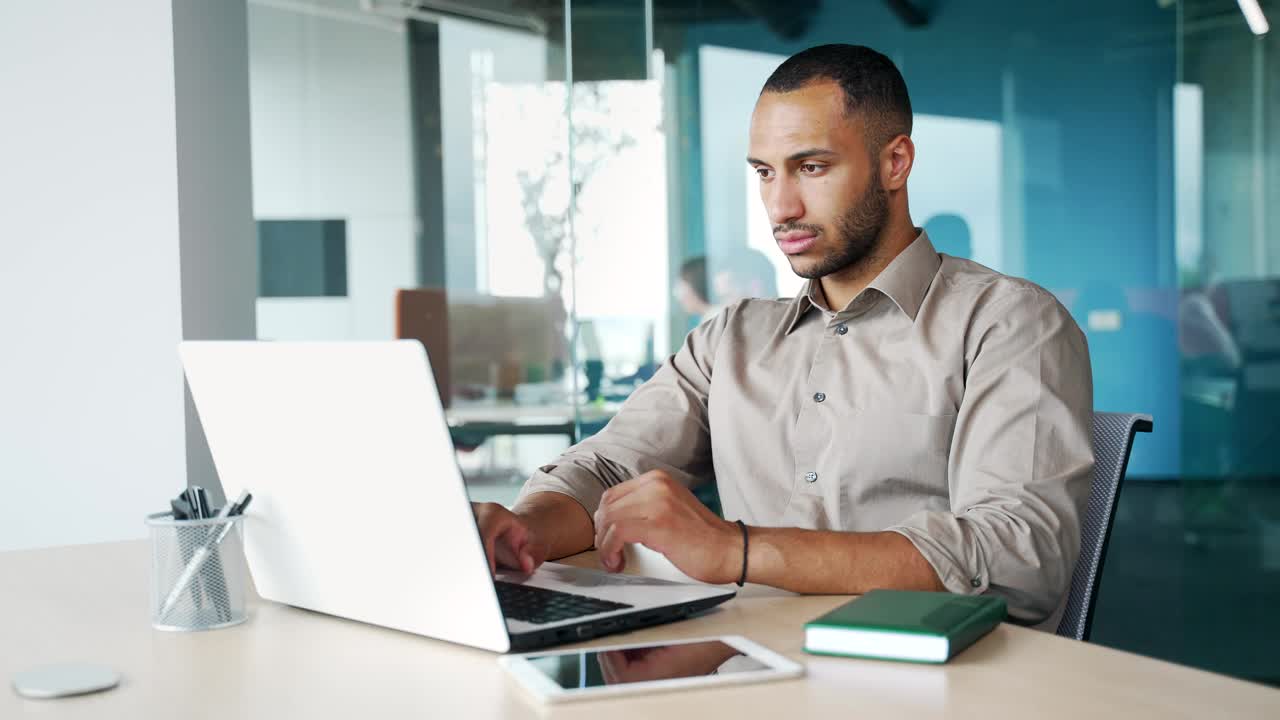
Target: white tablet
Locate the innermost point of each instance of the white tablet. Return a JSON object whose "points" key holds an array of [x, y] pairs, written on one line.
{"points": [[566, 675]]}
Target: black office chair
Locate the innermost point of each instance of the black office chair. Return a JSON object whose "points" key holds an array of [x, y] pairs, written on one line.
{"points": [[1112, 440]]}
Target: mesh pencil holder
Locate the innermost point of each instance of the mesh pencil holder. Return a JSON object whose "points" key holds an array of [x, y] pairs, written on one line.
{"points": [[197, 573]]}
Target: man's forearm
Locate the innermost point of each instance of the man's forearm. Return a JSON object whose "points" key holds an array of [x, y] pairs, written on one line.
{"points": [[559, 520], [819, 561]]}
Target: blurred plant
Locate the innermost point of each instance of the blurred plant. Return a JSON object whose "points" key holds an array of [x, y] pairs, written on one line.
{"points": [[550, 192]]}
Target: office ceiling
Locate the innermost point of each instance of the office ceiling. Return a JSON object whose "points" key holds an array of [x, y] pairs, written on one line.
{"points": [[788, 20]]}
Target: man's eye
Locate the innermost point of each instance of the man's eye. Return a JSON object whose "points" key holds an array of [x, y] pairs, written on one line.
{"points": [[810, 168], [763, 173]]}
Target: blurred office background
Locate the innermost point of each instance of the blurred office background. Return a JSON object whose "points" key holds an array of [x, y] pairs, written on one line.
{"points": [[550, 194]]}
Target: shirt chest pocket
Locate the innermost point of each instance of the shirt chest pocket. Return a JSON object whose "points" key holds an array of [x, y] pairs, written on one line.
{"points": [[889, 465]]}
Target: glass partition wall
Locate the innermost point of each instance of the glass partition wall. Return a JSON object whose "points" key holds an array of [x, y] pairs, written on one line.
{"points": [[551, 194], [435, 149]]}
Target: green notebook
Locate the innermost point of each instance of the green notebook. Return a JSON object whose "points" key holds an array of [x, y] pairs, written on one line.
{"points": [[926, 627]]}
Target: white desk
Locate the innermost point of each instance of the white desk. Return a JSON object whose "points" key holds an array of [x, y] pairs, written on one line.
{"points": [[89, 603]]}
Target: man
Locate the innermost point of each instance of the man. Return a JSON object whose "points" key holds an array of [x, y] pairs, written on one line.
{"points": [[909, 420]]}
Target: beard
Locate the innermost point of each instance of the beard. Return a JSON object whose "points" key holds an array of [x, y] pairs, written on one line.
{"points": [[857, 233]]}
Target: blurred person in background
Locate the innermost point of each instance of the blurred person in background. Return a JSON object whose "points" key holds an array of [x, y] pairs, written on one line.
{"points": [[691, 289], [747, 273]]}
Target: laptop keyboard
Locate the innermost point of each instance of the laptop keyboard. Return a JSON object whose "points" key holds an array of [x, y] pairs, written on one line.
{"points": [[538, 605]]}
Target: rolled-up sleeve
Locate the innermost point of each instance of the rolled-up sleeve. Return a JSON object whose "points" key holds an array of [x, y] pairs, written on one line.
{"points": [[1021, 460], [662, 426]]}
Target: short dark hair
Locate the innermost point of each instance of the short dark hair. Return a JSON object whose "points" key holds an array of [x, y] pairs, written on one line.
{"points": [[694, 273], [872, 85]]}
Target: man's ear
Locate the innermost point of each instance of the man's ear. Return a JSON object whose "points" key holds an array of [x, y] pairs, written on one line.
{"points": [[896, 161]]}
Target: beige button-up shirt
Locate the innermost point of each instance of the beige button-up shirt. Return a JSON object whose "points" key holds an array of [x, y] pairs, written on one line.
{"points": [[947, 402]]}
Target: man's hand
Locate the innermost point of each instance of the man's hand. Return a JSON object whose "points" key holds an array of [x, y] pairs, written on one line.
{"points": [[663, 515], [508, 540]]}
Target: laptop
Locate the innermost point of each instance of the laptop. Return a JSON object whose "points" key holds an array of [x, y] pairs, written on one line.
{"points": [[360, 510]]}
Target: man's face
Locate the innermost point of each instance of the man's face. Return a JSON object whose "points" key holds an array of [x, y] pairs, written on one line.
{"points": [[820, 185]]}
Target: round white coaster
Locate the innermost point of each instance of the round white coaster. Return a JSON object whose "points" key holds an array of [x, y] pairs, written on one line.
{"points": [[63, 680]]}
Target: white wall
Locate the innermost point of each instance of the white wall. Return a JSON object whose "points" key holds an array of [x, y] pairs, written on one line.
{"points": [[97, 196], [331, 139]]}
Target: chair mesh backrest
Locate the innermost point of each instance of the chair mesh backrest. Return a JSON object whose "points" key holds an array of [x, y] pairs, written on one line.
{"points": [[1112, 439]]}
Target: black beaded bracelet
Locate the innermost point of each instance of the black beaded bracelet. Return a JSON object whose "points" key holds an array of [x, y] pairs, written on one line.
{"points": [[743, 579]]}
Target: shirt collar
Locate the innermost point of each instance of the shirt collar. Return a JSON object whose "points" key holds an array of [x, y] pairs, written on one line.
{"points": [[803, 301], [905, 281]]}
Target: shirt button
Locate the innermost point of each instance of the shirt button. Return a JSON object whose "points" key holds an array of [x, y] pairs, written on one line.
{"points": [[819, 397], [842, 329], [811, 477]]}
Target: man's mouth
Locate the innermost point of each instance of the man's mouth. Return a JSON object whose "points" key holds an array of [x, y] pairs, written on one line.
{"points": [[796, 242]]}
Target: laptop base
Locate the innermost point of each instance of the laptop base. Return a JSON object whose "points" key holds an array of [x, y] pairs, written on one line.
{"points": [[588, 629]]}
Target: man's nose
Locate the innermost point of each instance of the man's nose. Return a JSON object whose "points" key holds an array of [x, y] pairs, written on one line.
{"points": [[782, 202]]}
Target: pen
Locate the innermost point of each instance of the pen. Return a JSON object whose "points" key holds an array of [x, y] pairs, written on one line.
{"points": [[202, 554], [199, 502], [182, 510], [241, 503], [214, 566]]}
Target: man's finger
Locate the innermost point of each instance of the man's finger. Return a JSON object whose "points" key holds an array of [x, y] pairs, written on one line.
{"points": [[502, 537], [635, 511], [638, 505], [509, 542], [619, 534], [520, 542], [601, 521], [625, 488], [517, 536], [612, 506], [611, 561]]}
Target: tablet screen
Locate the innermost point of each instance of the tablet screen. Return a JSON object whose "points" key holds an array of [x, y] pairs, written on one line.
{"points": [[591, 668]]}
